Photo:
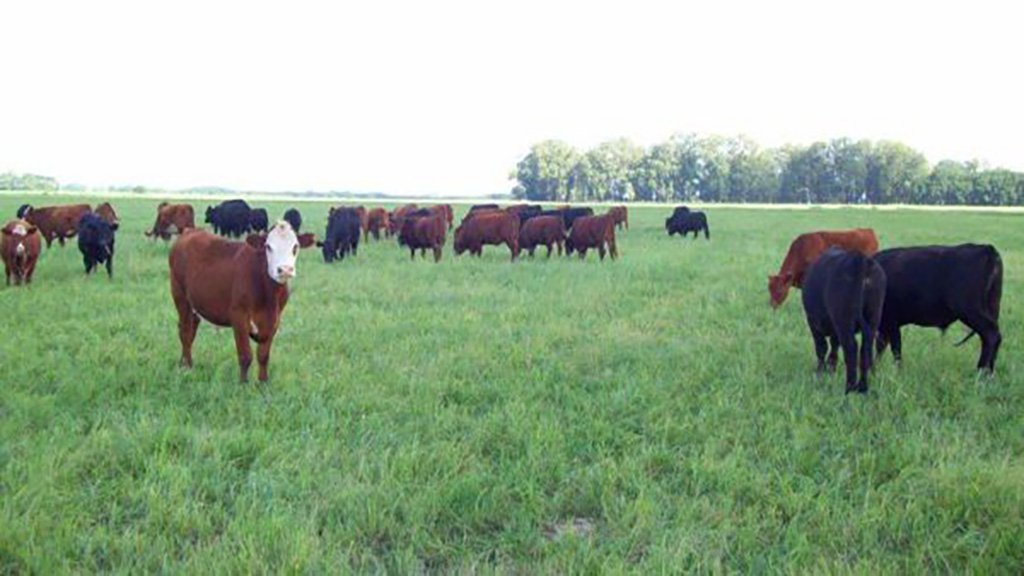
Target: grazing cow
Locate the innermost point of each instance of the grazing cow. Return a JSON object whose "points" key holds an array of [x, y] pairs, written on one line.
{"points": [[342, 234], [397, 217], [684, 221], [60, 222], [376, 220], [474, 212], [96, 242], [592, 232], [229, 218], [621, 215], [843, 294], [364, 217], [805, 250], [242, 285], [293, 217], [449, 214], [172, 218], [493, 228], [542, 230], [106, 211], [19, 246], [424, 232], [938, 285], [259, 220]]}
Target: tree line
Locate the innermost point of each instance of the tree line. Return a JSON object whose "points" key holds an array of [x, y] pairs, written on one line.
{"points": [[12, 181], [736, 169]]}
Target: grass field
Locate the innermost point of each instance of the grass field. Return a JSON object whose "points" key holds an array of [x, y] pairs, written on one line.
{"points": [[462, 416]]}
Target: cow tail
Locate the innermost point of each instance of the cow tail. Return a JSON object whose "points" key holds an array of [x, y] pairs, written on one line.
{"points": [[707, 230], [993, 290]]}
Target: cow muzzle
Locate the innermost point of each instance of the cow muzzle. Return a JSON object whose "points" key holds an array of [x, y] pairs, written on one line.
{"points": [[285, 273]]}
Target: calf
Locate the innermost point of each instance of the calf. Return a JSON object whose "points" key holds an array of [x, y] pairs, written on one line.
{"points": [[19, 247], [938, 285], [242, 285], [342, 234], [60, 222], [542, 230], [621, 215], [172, 218], [683, 222], [592, 232], [843, 294], [96, 242], [376, 220], [424, 232], [804, 251], [106, 211], [493, 228], [293, 217]]}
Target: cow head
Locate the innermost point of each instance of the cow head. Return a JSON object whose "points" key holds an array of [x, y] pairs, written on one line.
{"points": [[281, 247], [459, 243], [19, 230], [778, 288], [25, 210], [210, 213]]}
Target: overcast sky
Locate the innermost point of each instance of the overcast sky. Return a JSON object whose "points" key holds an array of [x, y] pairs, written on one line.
{"points": [[442, 97]]}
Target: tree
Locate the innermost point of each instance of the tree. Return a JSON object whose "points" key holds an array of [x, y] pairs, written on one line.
{"points": [[544, 174]]}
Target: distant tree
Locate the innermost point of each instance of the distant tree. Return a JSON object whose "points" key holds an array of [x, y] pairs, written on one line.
{"points": [[544, 173]]}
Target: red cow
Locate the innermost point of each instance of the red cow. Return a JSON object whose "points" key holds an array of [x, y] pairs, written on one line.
{"points": [[106, 211], [19, 246], [542, 230], [397, 217], [621, 215], [449, 214], [424, 232], [171, 218], [593, 232], [243, 285], [494, 228], [60, 222], [376, 220], [805, 250]]}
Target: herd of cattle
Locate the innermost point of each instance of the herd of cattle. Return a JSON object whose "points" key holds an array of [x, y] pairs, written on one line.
{"points": [[848, 285]]}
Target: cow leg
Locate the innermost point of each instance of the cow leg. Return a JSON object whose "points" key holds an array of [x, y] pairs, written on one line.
{"points": [[110, 263], [896, 342], [820, 349], [848, 340], [583, 253], [188, 324], [60, 238], [437, 254], [412, 254], [600, 250], [833, 354], [988, 331], [263, 357], [88, 264], [548, 246], [560, 248], [7, 272], [866, 350], [613, 250], [244, 350]]}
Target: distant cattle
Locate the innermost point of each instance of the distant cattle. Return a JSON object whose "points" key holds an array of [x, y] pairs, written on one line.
{"points": [[621, 215], [106, 211], [593, 232], [293, 217], [172, 219], [60, 222], [683, 221], [229, 218], [397, 217], [938, 285], [376, 220], [843, 294], [342, 234], [494, 228], [19, 247], [96, 242], [804, 251], [241, 285], [424, 232], [544, 231], [259, 220]]}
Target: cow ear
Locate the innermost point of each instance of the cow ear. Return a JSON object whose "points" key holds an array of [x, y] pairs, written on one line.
{"points": [[257, 241], [306, 240], [114, 226], [32, 229], [9, 229]]}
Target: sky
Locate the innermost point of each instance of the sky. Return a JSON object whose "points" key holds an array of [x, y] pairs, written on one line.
{"points": [[444, 97]]}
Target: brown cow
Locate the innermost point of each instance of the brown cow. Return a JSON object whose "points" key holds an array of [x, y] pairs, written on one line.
{"points": [[376, 220], [397, 217], [19, 246], [593, 232], [449, 214], [106, 211], [621, 215], [424, 232], [546, 230], [60, 222], [171, 218], [243, 285], [476, 211], [494, 228], [805, 250], [364, 217]]}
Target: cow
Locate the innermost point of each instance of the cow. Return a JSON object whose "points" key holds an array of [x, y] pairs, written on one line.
{"points": [[229, 218], [259, 220], [937, 285], [293, 217], [477, 211], [528, 211], [172, 218], [96, 242], [476, 207], [570, 214], [843, 294], [19, 247], [364, 217], [449, 214], [376, 220], [60, 222], [424, 232], [342, 234], [493, 228], [621, 215], [397, 217], [241, 285], [106, 211], [542, 230], [684, 221], [592, 232], [804, 251]]}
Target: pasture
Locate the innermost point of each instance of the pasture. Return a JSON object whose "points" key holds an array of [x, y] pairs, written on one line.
{"points": [[647, 415]]}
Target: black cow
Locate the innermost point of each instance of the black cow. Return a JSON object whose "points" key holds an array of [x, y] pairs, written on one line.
{"points": [[259, 221], [843, 294], [938, 285], [477, 207], [529, 211], [22, 210], [683, 221], [569, 215], [342, 234], [96, 242], [293, 217], [229, 218]]}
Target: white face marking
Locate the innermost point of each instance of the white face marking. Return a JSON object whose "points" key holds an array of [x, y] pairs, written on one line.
{"points": [[282, 247], [255, 330], [20, 249], [19, 230]]}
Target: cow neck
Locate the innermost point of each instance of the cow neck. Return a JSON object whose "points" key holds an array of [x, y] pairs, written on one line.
{"points": [[789, 262], [269, 294]]}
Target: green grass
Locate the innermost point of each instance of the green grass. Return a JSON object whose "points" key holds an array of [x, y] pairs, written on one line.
{"points": [[451, 417]]}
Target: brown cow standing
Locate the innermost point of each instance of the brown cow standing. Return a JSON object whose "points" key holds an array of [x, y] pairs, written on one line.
{"points": [[60, 222], [171, 218], [106, 211], [397, 217], [449, 214], [376, 220], [542, 230], [806, 249], [364, 218], [494, 228], [243, 285], [19, 246], [621, 215], [592, 232], [424, 232]]}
